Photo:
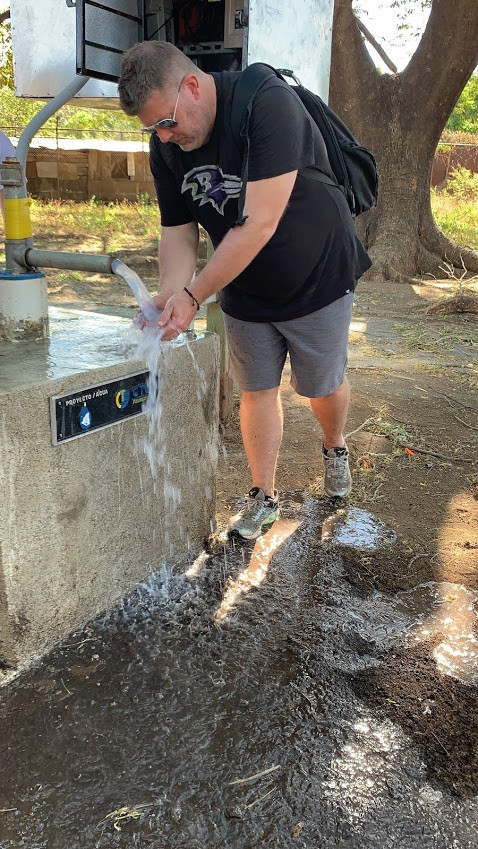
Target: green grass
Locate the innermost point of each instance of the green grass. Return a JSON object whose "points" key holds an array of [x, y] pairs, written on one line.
{"points": [[457, 219], [124, 225], [456, 207], [433, 339], [123, 222], [119, 225], [396, 433]]}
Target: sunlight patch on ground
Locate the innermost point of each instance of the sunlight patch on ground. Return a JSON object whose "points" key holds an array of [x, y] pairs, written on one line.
{"points": [[454, 623], [458, 532], [360, 768], [196, 568], [256, 571], [442, 287], [455, 618], [358, 326]]}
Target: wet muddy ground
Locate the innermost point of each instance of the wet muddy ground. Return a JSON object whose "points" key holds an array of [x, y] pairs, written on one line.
{"points": [[329, 670], [266, 694]]}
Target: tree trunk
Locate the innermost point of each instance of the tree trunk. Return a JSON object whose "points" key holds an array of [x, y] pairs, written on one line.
{"points": [[400, 117]]}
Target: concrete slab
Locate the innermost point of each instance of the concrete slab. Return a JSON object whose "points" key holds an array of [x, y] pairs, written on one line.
{"points": [[83, 521]]}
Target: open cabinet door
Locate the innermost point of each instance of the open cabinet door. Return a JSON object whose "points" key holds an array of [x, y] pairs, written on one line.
{"points": [[104, 30], [293, 35]]}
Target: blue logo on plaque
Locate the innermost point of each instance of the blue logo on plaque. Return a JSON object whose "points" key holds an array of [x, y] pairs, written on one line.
{"points": [[85, 418], [122, 398]]}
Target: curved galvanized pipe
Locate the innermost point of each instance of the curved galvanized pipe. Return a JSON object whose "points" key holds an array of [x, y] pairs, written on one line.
{"points": [[46, 112]]}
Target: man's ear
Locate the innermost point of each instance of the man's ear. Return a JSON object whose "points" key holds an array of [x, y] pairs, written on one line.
{"points": [[192, 84]]}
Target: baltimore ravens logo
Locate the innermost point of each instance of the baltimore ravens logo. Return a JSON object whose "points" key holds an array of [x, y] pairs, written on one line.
{"points": [[208, 184]]}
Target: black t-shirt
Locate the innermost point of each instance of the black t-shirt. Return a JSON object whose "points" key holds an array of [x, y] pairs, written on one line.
{"points": [[315, 256]]}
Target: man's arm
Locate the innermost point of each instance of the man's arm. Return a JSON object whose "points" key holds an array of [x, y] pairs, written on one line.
{"points": [[177, 260], [266, 201]]}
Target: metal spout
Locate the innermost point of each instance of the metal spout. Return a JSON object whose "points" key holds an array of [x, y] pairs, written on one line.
{"points": [[33, 258]]}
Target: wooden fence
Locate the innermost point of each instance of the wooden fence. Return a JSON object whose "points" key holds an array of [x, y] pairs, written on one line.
{"points": [[115, 169]]}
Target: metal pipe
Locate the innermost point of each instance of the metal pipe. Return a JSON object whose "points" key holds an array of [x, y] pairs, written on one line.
{"points": [[46, 112], [33, 258]]}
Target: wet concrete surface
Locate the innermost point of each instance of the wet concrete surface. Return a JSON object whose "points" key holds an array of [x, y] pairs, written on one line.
{"points": [[79, 341], [252, 698]]}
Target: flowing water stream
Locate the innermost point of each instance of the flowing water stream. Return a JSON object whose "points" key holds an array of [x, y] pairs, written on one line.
{"points": [[155, 353], [139, 290]]}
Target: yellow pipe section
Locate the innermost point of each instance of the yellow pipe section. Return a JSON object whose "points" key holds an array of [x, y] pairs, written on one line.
{"points": [[17, 219]]}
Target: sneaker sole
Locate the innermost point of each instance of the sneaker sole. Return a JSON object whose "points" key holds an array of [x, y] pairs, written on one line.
{"points": [[257, 533], [337, 494]]}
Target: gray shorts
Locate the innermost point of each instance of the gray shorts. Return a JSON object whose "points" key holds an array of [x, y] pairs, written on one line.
{"points": [[316, 343]]}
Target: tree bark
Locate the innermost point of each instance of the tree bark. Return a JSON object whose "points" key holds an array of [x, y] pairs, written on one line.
{"points": [[400, 117]]}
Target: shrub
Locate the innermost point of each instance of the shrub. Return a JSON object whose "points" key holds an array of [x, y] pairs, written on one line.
{"points": [[463, 184]]}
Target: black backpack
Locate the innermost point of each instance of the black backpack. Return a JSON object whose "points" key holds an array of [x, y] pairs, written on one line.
{"points": [[354, 166]]}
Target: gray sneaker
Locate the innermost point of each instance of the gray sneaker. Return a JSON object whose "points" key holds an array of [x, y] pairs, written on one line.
{"points": [[337, 477], [259, 512]]}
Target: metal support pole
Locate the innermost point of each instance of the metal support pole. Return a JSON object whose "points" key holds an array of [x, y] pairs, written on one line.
{"points": [[18, 228], [23, 292]]}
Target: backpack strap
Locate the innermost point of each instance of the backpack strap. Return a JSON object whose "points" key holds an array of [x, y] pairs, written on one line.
{"points": [[312, 172], [321, 115], [247, 87]]}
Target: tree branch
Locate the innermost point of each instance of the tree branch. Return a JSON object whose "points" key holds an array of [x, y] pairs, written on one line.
{"points": [[444, 59], [354, 79], [373, 41], [4, 16]]}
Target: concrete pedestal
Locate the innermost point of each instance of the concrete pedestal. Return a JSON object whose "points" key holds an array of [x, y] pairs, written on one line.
{"points": [[23, 306], [81, 522]]}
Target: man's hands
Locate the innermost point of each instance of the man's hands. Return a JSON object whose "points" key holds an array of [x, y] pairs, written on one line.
{"points": [[177, 314], [177, 311], [161, 298]]}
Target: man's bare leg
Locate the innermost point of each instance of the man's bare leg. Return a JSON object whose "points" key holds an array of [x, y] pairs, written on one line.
{"points": [[261, 428], [331, 413]]}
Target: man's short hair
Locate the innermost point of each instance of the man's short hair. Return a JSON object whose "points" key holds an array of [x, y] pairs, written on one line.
{"points": [[147, 67]]}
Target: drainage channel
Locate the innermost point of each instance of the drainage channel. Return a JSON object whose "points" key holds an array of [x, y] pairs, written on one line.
{"points": [[240, 701]]}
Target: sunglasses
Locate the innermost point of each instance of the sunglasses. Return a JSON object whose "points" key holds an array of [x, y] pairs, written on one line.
{"points": [[165, 123]]}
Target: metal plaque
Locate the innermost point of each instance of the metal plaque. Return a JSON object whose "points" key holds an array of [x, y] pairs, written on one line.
{"points": [[104, 30], [97, 407]]}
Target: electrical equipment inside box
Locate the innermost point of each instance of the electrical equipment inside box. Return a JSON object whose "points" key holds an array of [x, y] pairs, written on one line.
{"points": [[200, 20], [209, 31]]}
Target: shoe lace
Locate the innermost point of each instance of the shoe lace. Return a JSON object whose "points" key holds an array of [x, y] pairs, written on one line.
{"points": [[337, 465], [253, 509]]}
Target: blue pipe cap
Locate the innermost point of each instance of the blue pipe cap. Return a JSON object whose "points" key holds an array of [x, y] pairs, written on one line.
{"points": [[5, 275]]}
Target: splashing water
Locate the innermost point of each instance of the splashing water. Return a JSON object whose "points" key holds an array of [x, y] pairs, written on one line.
{"points": [[156, 353], [166, 467], [139, 290]]}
